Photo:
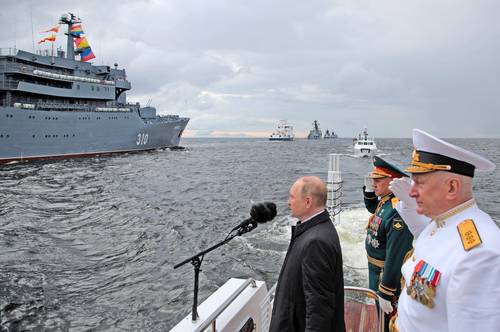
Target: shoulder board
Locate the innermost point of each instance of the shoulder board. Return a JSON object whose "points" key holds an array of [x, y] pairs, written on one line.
{"points": [[398, 224], [394, 202], [468, 234]]}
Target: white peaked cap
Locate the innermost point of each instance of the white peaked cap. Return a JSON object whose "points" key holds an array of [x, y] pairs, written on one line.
{"points": [[424, 142]]}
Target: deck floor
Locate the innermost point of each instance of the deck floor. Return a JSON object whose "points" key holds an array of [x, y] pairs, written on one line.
{"points": [[360, 317]]}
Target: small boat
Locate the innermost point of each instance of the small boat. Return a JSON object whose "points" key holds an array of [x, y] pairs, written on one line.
{"points": [[329, 134], [364, 146], [283, 133], [315, 133]]}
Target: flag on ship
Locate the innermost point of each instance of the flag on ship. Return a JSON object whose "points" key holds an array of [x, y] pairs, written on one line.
{"points": [[53, 29], [51, 38], [76, 30], [87, 54], [81, 43]]}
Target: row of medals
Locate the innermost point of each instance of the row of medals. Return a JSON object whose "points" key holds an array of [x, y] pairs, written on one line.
{"points": [[421, 290]]}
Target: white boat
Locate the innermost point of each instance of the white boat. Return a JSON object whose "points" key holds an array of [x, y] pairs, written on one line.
{"points": [[364, 146], [246, 305], [283, 133]]}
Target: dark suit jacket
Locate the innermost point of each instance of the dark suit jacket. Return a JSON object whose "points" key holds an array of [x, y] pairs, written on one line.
{"points": [[310, 290]]}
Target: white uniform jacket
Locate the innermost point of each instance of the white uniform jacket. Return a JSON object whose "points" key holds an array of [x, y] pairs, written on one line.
{"points": [[467, 297]]}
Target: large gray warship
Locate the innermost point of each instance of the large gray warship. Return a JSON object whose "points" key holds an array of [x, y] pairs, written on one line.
{"points": [[315, 132], [53, 106]]}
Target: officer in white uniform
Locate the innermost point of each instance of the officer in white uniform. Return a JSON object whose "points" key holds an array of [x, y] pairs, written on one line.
{"points": [[452, 280]]}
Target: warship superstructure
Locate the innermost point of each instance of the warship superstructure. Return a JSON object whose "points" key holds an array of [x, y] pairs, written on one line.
{"points": [[53, 106], [315, 132], [329, 134]]}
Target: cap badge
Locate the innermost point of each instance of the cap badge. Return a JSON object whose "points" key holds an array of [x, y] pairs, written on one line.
{"points": [[415, 155]]}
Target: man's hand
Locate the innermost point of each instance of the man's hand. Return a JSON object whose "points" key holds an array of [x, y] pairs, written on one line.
{"points": [[368, 183], [385, 305], [401, 189]]}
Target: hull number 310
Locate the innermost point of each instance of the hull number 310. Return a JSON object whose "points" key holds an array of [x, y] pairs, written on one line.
{"points": [[142, 139]]}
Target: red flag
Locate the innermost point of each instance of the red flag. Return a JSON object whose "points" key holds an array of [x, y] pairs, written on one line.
{"points": [[51, 38], [54, 29]]}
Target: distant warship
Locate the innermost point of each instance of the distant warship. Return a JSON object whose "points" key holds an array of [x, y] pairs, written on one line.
{"points": [[52, 106], [329, 134], [315, 133]]}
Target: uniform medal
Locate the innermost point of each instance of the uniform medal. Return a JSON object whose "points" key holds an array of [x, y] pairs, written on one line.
{"points": [[424, 281]]}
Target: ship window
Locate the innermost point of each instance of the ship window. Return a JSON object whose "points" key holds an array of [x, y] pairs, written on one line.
{"points": [[33, 136], [92, 87], [98, 89], [1, 136], [7, 136], [78, 86]]}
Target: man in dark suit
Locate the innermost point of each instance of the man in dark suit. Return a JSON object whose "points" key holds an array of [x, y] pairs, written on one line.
{"points": [[310, 291]]}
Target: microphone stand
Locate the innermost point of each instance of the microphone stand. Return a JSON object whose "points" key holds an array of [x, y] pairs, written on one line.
{"points": [[197, 259]]}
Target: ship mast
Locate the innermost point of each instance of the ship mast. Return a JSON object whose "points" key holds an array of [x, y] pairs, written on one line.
{"points": [[69, 19]]}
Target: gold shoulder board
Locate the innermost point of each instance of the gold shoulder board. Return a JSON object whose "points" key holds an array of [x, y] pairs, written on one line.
{"points": [[394, 202], [468, 234]]}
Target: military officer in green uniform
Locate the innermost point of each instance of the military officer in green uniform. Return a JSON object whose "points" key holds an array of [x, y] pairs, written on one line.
{"points": [[388, 239]]}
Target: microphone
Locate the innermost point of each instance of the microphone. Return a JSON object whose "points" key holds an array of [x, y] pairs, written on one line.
{"points": [[259, 214]]}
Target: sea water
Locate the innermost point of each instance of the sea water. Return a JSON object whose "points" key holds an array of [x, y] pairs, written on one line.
{"points": [[90, 244]]}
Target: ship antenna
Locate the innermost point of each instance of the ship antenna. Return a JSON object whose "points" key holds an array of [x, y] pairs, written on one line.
{"points": [[32, 33], [149, 102]]}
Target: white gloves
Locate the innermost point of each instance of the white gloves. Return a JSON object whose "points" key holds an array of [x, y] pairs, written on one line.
{"points": [[401, 189], [368, 183], [385, 305]]}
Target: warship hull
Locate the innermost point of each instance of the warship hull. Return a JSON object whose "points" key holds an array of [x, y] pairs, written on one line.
{"points": [[27, 135]]}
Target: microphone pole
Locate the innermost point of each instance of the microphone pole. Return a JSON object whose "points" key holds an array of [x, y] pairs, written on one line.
{"points": [[197, 259]]}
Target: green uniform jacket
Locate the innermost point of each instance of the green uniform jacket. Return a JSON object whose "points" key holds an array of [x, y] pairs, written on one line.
{"points": [[387, 242]]}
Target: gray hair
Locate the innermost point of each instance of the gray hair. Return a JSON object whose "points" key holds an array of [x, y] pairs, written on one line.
{"points": [[314, 187]]}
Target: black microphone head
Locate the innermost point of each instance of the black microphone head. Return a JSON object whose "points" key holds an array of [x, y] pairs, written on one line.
{"points": [[263, 212]]}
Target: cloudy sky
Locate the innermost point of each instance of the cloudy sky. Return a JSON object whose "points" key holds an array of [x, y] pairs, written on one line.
{"points": [[237, 67]]}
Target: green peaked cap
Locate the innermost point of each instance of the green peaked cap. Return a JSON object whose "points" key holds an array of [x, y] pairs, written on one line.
{"points": [[383, 169]]}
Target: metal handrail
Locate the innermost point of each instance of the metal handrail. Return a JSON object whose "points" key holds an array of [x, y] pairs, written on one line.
{"points": [[210, 320]]}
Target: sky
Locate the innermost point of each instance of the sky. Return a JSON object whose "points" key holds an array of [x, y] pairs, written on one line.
{"points": [[238, 67]]}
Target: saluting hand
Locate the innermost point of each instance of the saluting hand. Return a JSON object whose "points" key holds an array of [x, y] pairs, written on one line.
{"points": [[368, 183], [401, 189]]}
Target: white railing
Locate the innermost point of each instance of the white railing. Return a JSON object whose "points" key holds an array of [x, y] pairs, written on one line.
{"points": [[334, 187], [211, 320], [266, 308], [8, 51]]}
